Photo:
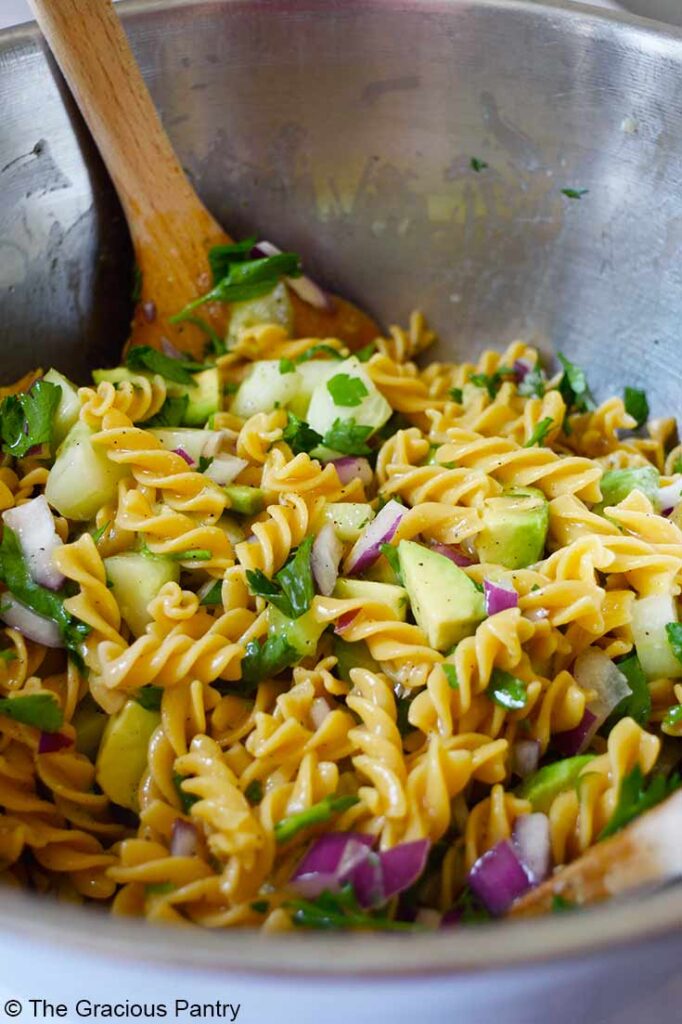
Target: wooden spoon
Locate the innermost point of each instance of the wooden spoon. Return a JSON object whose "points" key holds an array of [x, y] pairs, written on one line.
{"points": [[171, 229]]}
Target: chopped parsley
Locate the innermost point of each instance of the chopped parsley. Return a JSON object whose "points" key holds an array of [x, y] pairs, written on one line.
{"points": [[390, 553], [26, 419], [492, 382], [477, 164], [573, 388], [40, 710], [674, 633], [574, 193], [264, 660], [635, 797], [243, 279], [299, 435], [365, 353], [637, 704], [149, 697], [287, 366], [346, 391], [221, 257], [99, 533], [451, 675], [143, 357], [171, 414], [216, 343], [190, 555], [260, 906], [320, 812], [560, 904], [187, 800], [673, 716], [8, 655], [540, 433], [636, 405], [214, 594], [321, 349], [507, 691], [339, 910], [254, 792], [348, 437], [292, 589], [456, 394], [204, 462]]}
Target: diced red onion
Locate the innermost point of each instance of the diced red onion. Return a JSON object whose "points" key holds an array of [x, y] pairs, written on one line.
{"points": [[218, 440], [34, 526], [51, 742], [170, 350], [344, 621], [669, 497], [574, 741], [225, 468], [525, 757], [667, 512], [521, 368], [451, 917], [594, 670], [184, 839], [149, 316], [183, 455], [498, 598], [351, 467], [325, 558], [304, 287], [402, 865], [531, 839], [498, 878], [368, 881], [455, 554], [382, 528], [330, 861], [33, 626]]}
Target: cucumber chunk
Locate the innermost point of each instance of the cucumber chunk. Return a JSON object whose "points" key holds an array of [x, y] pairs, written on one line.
{"points": [[136, 580], [372, 409], [244, 500], [82, 478], [650, 616], [122, 757], [302, 633], [190, 439], [69, 406], [348, 518], [311, 373], [265, 388], [204, 396], [273, 308]]}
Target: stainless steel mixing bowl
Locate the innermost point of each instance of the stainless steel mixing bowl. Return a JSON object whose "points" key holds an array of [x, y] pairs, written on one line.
{"points": [[345, 129]]}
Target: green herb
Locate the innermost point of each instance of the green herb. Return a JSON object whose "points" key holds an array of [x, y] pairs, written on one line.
{"points": [[635, 797], [674, 633], [346, 391], [187, 800], [48, 603], [299, 435], [262, 661], [204, 463], [246, 279], [287, 366], [348, 437], [677, 466], [292, 589], [335, 911], [390, 553], [143, 357], [8, 655], [40, 710], [477, 164], [216, 343], [365, 353], [540, 433], [402, 720], [673, 716], [149, 697], [450, 675], [320, 812], [457, 395], [637, 704], [260, 906], [27, 418], [190, 555], [159, 888], [533, 384], [470, 909], [316, 350], [98, 534], [221, 257], [560, 904], [171, 414], [636, 405], [254, 792], [574, 389], [492, 382], [136, 287], [574, 193], [507, 691], [213, 595]]}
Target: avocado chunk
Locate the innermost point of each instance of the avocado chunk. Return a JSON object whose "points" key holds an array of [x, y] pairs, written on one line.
{"points": [[244, 500], [302, 633], [69, 407], [352, 655], [203, 396], [122, 757], [349, 518], [616, 484], [544, 785], [445, 602], [514, 528], [388, 594], [89, 721], [136, 580], [82, 478], [650, 616]]}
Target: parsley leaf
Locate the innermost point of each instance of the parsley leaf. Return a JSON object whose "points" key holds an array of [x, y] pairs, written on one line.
{"points": [[143, 357], [171, 414], [477, 164], [213, 595], [365, 353], [450, 675], [492, 382], [507, 691], [333, 911], [8, 655], [221, 257], [149, 697], [540, 433], [560, 904], [216, 343], [456, 394], [346, 391], [98, 534], [292, 589], [574, 193], [674, 633], [262, 661], [573, 387], [27, 418], [317, 814], [187, 800], [315, 350], [348, 437], [287, 366], [635, 797], [204, 462], [38, 709], [390, 553], [245, 279], [402, 717], [533, 384], [637, 405], [299, 435], [254, 792]]}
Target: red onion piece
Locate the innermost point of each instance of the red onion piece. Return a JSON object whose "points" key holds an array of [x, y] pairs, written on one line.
{"points": [[351, 467], [669, 497], [455, 554], [498, 598], [531, 839], [367, 547], [525, 757], [184, 839], [225, 468], [521, 368], [325, 558], [368, 881], [574, 741], [451, 917], [51, 742], [169, 348], [344, 621], [330, 862], [34, 627], [402, 865], [183, 455], [498, 878], [304, 287], [34, 526], [149, 316]]}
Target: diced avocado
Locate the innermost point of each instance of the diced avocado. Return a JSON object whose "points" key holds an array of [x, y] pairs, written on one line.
{"points": [[265, 388], [191, 439], [273, 308], [349, 656], [302, 633], [311, 373], [68, 408], [445, 602], [348, 518], [544, 785], [650, 616], [245, 500], [203, 395], [82, 478], [372, 409], [136, 580], [387, 594], [514, 528], [89, 721], [122, 757], [616, 484]]}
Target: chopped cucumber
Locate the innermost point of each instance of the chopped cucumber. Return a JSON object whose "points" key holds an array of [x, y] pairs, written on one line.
{"points": [[82, 478], [387, 594], [348, 518], [265, 388], [245, 500], [89, 721], [68, 408], [311, 373], [372, 409], [190, 439], [650, 616], [123, 753], [273, 308], [302, 633], [136, 580]]}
